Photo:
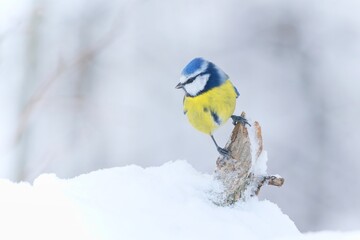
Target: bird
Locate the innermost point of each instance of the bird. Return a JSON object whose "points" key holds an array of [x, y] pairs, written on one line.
{"points": [[210, 98]]}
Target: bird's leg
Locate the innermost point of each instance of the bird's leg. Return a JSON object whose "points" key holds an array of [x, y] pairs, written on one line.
{"points": [[239, 119], [222, 151]]}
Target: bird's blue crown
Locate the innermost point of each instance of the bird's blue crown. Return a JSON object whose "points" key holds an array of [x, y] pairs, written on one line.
{"points": [[195, 65]]}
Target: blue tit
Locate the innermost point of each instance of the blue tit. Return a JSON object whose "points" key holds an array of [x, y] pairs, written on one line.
{"points": [[210, 98]]}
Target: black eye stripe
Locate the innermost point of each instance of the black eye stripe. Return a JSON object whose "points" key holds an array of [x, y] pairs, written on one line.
{"points": [[190, 80]]}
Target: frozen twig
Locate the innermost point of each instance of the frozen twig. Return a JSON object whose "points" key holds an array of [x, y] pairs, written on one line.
{"points": [[237, 174]]}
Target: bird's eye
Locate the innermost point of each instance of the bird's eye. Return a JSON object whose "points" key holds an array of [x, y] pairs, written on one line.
{"points": [[190, 80]]}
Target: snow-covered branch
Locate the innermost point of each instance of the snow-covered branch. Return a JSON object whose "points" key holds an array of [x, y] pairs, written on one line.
{"points": [[245, 173]]}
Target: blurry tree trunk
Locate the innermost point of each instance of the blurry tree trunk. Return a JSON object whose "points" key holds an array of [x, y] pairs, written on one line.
{"points": [[315, 98], [291, 37], [237, 174], [28, 86]]}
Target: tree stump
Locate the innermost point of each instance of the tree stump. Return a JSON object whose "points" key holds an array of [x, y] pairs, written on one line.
{"points": [[243, 175]]}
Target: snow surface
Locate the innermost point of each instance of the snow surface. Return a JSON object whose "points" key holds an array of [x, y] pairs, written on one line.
{"points": [[172, 201]]}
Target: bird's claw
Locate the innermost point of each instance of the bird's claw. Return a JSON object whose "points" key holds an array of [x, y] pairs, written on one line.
{"points": [[224, 152], [240, 119]]}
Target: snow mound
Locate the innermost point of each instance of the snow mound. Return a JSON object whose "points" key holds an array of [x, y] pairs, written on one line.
{"points": [[168, 202]]}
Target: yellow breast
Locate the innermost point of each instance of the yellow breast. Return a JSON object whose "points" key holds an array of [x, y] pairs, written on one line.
{"points": [[209, 110]]}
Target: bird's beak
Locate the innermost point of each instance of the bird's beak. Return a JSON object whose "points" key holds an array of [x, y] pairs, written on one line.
{"points": [[180, 85]]}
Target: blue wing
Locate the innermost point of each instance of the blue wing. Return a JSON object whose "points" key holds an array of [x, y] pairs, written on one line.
{"points": [[237, 92]]}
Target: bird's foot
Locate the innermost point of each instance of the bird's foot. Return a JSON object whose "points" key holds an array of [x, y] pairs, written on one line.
{"points": [[224, 152], [240, 119]]}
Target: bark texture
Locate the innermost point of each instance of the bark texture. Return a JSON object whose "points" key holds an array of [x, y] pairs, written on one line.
{"points": [[237, 173]]}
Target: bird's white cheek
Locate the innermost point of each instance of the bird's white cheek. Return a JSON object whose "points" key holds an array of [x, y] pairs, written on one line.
{"points": [[197, 85]]}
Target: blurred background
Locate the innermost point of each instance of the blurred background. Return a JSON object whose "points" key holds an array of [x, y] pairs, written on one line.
{"points": [[90, 84]]}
